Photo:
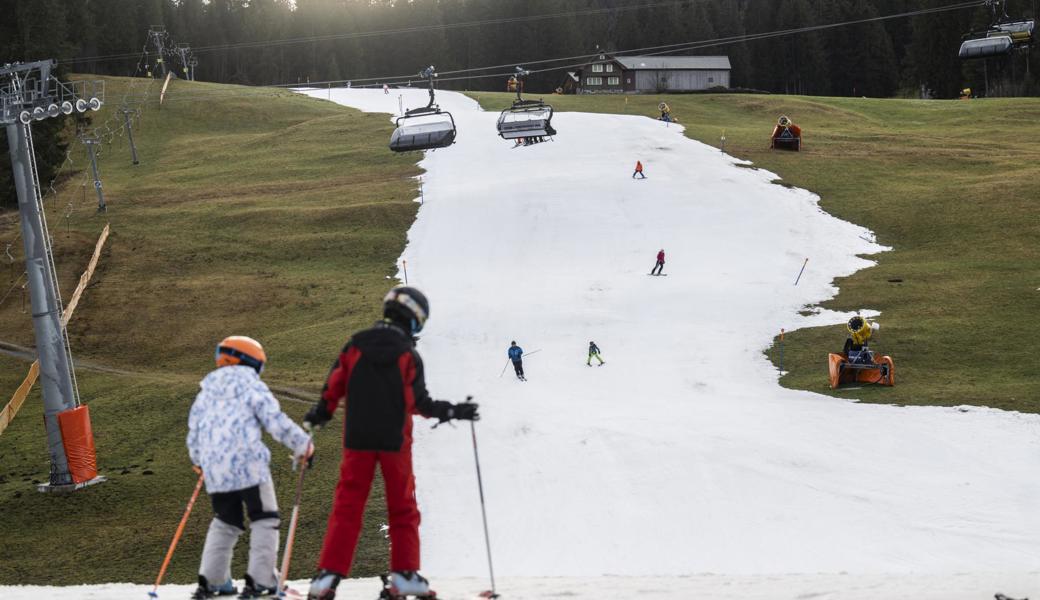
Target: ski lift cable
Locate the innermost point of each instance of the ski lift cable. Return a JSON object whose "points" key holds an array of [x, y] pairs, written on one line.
{"points": [[460, 75], [400, 30], [677, 47]]}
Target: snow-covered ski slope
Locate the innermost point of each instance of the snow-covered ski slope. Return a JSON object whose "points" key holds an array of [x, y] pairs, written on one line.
{"points": [[681, 455], [698, 587], [680, 467]]}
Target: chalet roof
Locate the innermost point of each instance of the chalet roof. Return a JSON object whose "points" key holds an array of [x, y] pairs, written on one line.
{"points": [[674, 62]]}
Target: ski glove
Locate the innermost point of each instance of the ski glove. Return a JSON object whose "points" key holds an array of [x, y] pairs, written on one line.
{"points": [[317, 416], [306, 456], [467, 411], [446, 411]]}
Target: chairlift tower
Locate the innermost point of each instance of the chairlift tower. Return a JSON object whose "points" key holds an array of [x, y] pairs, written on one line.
{"points": [[28, 92], [157, 38], [188, 61]]}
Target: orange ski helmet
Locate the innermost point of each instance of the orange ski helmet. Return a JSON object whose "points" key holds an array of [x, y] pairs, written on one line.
{"points": [[241, 350]]}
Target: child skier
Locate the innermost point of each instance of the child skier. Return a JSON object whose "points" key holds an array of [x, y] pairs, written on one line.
{"points": [[224, 429], [383, 374], [516, 354], [660, 263], [594, 353], [639, 170]]}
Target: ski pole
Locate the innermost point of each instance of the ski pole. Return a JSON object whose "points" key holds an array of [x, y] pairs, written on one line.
{"points": [[177, 537], [290, 537], [504, 368], [800, 272], [487, 538]]}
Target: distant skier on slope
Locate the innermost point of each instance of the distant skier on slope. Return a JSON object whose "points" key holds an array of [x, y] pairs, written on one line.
{"points": [[383, 374], [594, 353], [516, 354], [660, 263], [639, 170], [224, 428], [386, 89]]}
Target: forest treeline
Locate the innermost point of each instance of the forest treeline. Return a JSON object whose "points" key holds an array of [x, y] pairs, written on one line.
{"points": [[258, 42], [878, 59]]}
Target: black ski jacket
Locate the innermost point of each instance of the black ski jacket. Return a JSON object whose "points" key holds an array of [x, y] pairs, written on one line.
{"points": [[379, 378]]}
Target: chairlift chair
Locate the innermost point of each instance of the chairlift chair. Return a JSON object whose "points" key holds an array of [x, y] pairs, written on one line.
{"points": [[525, 118], [424, 128], [1003, 35]]}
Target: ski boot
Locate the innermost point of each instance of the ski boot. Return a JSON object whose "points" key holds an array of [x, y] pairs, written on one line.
{"points": [[401, 585], [252, 589], [205, 590], [323, 586]]}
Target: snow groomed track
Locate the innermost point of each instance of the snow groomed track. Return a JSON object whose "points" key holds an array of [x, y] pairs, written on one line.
{"points": [[682, 455], [681, 468]]}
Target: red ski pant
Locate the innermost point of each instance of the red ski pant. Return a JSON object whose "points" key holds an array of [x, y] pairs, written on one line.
{"points": [[355, 480]]}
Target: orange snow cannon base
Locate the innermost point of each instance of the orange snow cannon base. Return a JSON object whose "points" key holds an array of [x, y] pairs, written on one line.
{"points": [[880, 371]]}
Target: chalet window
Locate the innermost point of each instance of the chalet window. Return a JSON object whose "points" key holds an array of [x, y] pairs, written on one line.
{"points": [[711, 80], [594, 81], [597, 68], [610, 67], [613, 80]]}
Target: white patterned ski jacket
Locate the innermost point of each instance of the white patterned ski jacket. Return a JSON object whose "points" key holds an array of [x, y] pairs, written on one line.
{"points": [[224, 436]]}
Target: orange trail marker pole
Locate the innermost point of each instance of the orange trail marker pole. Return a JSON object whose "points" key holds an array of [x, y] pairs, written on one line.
{"points": [[177, 537], [291, 536]]}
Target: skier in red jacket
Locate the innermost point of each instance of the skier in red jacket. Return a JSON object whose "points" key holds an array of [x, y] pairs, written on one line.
{"points": [[638, 171], [379, 378], [660, 263]]}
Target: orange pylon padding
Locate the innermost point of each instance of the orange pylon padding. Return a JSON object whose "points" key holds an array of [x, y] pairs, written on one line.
{"points": [[78, 439]]}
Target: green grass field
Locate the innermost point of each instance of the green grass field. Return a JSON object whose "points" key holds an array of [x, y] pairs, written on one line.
{"points": [[267, 214], [252, 212], [950, 185]]}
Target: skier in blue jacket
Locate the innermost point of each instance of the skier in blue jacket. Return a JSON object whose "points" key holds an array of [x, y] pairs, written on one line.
{"points": [[516, 354]]}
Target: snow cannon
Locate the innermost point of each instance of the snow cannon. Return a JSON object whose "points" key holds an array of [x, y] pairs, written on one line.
{"points": [[860, 367], [857, 363], [786, 135]]}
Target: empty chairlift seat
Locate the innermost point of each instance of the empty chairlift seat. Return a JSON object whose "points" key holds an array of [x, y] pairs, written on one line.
{"points": [[1001, 39], [523, 122], [986, 47], [423, 132]]}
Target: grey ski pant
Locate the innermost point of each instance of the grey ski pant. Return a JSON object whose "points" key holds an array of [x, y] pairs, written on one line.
{"points": [[229, 523]]}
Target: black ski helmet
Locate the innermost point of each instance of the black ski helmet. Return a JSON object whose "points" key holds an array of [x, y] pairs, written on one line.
{"points": [[407, 305]]}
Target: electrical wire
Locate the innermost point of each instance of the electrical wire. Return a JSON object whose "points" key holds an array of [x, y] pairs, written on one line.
{"points": [[645, 51], [397, 31]]}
